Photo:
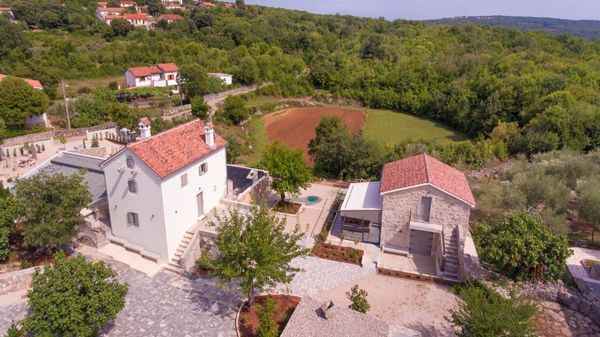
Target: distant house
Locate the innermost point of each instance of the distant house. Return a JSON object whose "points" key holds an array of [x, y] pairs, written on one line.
{"points": [[105, 13], [170, 18], [207, 4], [159, 75], [7, 11], [226, 78], [34, 120], [33, 83], [173, 4], [122, 4], [138, 19]]}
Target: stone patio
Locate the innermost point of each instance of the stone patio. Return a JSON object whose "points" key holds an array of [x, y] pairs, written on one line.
{"points": [[165, 305]]}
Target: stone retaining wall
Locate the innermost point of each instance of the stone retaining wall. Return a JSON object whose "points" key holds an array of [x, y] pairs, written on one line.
{"points": [[202, 243], [588, 305], [16, 281]]}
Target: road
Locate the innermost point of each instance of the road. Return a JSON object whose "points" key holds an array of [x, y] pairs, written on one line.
{"points": [[213, 100]]}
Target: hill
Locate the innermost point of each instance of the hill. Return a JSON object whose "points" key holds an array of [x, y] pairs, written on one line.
{"points": [[589, 29]]}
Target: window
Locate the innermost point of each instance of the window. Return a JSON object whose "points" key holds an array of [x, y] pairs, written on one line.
{"points": [[203, 168], [184, 181], [129, 161], [171, 77], [133, 219], [132, 185]]}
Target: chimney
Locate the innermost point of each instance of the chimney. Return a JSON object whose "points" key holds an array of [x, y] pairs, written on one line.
{"points": [[209, 135], [144, 127]]}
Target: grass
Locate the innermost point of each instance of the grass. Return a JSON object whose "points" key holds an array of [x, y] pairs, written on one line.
{"points": [[387, 126], [252, 136], [72, 86]]}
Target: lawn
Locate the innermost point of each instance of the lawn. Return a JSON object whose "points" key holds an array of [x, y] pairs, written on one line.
{"points": [[72, 86], [387, 126]]}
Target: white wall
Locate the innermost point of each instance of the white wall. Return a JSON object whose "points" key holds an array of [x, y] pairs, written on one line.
{"points": [[181, 211], [130, 80], [148, 203], [166, 76]]}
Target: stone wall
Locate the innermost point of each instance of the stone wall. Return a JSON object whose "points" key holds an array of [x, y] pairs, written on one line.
{"points": [[398, 206], [84, 131], [557, 292], [202, 242], [16, 281]]}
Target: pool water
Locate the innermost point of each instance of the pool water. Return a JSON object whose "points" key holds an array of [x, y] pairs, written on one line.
{"points": [[313, 199]]}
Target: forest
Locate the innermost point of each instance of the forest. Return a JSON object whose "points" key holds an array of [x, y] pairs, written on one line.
{"points": [[536, 91]]}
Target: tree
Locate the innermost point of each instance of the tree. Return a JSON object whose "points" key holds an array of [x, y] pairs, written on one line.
{"points": [[485, 313], [256, 250], [63, 140], [49, 207], [18, 100], [358, 297], [331, 147], [120, 27], [7, 221], [235, 110], [588, 202], [247, 71], [522, 248], [287, 168], [200, 107], [73, 297], [121, 114]]}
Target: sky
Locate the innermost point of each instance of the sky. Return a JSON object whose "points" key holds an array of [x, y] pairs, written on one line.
{"points": [[435, 9]]}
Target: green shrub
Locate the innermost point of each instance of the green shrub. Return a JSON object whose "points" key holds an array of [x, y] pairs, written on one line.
{"points": [[522, 247], [484, 313], [358, 297], [266, 323]]}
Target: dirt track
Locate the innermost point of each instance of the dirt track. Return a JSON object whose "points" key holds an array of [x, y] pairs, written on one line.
{"points": [[296, 126]]}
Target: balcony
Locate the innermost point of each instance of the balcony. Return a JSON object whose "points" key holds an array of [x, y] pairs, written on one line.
{"points": [[423, 223]]}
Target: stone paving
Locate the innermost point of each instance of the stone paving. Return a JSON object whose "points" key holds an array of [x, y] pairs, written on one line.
{"points": [[320, 274], [166, 305], [172, 305], [556, 320]]}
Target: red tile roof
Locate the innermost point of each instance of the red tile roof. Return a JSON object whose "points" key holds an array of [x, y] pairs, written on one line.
{"points": [[424, 169], [176, 148], [145, 121], [167, 67], [144, 71], [153, 69], [207, 4], [170, 17], [137, 16], [34, 83], [110, 9]]}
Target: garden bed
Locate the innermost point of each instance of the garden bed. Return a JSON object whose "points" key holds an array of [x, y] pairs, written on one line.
{"points": [[287, 207], [248, 317], [337, 253]]}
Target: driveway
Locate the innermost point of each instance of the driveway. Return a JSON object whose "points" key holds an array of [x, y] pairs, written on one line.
{"points": [[165, 305]]}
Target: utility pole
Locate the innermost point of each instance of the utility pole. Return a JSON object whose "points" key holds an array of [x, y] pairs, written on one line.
{"points": [[66, 107]]}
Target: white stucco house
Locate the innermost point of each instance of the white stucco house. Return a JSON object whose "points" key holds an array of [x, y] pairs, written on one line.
{"points": [[226, 78], [159, 187], [159, 75]]}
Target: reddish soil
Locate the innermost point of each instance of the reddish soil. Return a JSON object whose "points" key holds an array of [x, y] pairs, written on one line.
{"points": [[248, 318], [337, 253], [296, 127], [287, 207]]}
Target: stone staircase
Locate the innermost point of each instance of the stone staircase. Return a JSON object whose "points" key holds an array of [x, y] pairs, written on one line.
{"points": [[183, 245], [451, 246]]}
